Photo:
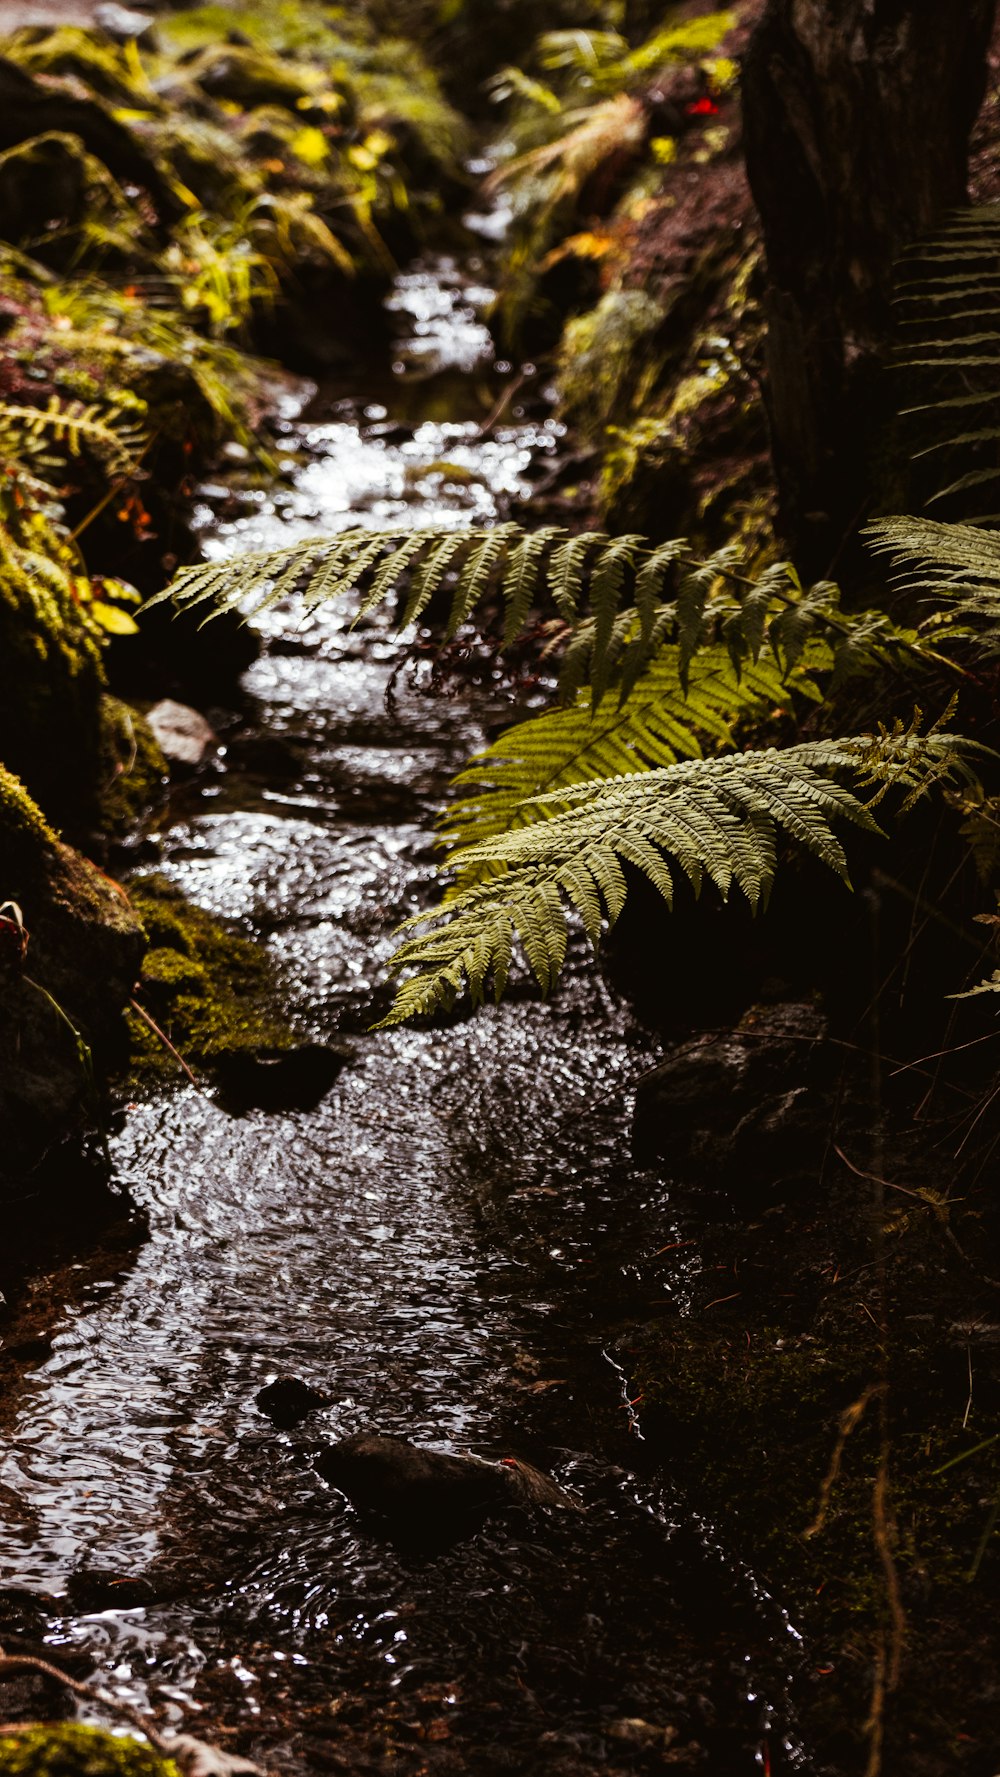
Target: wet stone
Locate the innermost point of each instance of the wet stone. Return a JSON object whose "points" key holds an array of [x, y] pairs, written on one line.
{"points": [[430, 1493], [94, 1590], [278, 1079], [749, 1109], [287, 1401], [123, 23], [184, 736]]}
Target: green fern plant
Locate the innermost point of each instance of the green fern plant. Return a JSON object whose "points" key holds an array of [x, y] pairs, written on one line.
{"points": [[110, 432], [691, 647], [715, 820], [956, 567], [948, 308], [620, 599], [662, 720]]}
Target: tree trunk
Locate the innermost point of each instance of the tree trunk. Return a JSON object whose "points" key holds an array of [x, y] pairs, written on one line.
{"points": [[857, 117]]}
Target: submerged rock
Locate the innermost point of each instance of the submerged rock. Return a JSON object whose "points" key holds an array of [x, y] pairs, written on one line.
{"points": [[428, 1493], [278, 1079], [94, 1589]]}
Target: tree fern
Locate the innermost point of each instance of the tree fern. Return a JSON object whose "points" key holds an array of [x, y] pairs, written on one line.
{"points": [[716, 819]]}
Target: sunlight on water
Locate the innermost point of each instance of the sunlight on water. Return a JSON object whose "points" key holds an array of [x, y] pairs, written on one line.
{"points": [[456, 1223]]}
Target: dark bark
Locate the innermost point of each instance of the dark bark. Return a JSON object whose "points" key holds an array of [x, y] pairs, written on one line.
{"points": [[857, 117]]}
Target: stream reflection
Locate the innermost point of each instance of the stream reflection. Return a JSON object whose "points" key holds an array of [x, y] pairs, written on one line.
{"points": [[450, 1245]]}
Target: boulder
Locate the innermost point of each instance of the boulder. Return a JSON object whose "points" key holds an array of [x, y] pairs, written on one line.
{"points": [[748, 1108], [70, 951]]}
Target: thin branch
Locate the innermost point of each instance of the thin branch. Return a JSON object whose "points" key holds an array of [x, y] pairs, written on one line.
{"points": [[11, 1663]]}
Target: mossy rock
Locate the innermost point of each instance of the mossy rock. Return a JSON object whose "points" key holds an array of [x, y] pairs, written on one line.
{"points": [[28, 840], [70, 1750], [47, 878], [61, 998], [212, 992], [134, 772], [51, 682]]}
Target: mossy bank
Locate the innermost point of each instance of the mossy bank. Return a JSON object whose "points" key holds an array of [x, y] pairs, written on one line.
{"points": [[71, 1750]]}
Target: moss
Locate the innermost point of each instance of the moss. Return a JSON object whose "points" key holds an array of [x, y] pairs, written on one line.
{"points": [[48, 878], [212, 992], [171, 973], [51, 679], [21, 820], [28, 846], [70, 1750], [603, 351], [133, 769]]}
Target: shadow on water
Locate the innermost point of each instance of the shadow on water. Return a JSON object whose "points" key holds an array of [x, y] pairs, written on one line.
{"points": [[450, 1245]]}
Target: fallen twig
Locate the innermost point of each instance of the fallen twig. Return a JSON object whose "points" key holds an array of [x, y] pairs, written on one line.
{"points": [[11, 1663]]}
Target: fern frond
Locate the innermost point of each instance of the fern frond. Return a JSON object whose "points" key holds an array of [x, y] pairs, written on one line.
{"points": [[957, 566], [661, 721], [110, 433], [591, 580], [569, 566], [524, 572], [949, 292], [605, 599], [702, 818], [990, 985]]}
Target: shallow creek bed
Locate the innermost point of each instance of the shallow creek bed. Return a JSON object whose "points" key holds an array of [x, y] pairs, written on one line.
{"points": [[451, 1246]]}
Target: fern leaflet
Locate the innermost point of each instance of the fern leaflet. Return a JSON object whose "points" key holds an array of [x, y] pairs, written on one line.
{"points": [[659, 723], [716, 819], [956, 565], [620, 598]]}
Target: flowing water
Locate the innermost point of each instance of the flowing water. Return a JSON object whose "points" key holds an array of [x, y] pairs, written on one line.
{"points": [[451, 1246]]}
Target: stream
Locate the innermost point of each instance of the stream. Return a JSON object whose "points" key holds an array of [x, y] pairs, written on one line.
{"points": [[452, 1246]]}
